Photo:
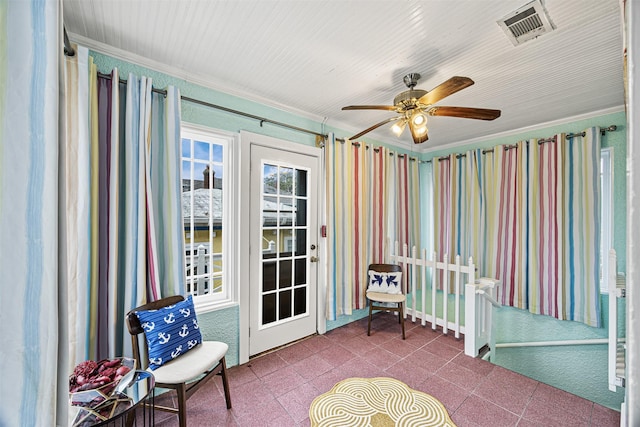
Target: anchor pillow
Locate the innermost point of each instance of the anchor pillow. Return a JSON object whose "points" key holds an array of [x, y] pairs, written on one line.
{"points": [[170, 331]]}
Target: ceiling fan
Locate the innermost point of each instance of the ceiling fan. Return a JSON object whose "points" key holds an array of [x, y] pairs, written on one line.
{"points": [[414, 105]]}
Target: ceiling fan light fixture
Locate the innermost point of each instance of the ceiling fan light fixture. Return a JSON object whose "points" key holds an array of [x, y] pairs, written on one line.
{"points": [[419, 119], [398, 127]]}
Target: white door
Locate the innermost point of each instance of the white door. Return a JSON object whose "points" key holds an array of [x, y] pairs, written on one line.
{"points": [[283, 247]]}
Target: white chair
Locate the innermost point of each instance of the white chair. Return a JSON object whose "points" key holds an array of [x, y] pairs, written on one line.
{"points": [[189, 371]]}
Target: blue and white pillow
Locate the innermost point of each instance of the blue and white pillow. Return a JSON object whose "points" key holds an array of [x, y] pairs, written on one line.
{"points": [[394, 282], [386, 283], [170, 331]]}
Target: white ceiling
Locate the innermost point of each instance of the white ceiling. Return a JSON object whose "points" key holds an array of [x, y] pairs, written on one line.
{"points": [[313, 57]]}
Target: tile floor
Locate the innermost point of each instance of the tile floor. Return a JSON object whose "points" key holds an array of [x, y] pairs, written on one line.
{"points": [[277, 389]]}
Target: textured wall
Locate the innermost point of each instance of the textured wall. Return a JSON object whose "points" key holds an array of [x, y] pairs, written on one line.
{"points": [[581, 370]]}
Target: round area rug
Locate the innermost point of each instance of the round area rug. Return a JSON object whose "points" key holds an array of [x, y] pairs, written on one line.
{"points": [[376, 402]]}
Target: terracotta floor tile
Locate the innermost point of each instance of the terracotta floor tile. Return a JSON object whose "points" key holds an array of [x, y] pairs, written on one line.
{"points": [[475, 411]]}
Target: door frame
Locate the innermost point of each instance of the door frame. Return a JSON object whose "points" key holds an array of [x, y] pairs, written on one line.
{"points": [[247, 140]]}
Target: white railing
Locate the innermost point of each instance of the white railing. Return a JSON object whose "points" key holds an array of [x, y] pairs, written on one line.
{"points": [[477, 328], [616, 347]]}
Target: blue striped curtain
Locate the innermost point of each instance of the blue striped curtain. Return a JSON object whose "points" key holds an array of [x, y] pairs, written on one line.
{"points": [[124, 241], [30, 49]]}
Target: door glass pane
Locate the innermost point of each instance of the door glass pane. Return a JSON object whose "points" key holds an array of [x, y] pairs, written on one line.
{"points": [[301, 212], [286, 181], [301, 242], [285, 274], [300, 301], [301, 183], [268, 276], [286, 211], [268, 308], [269, 211], [287, 239], [270, 179], [301, 271], [285, 304]]}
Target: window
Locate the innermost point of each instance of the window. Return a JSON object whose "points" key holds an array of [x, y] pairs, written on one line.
{"points": [[206, 180], [606, 214]]}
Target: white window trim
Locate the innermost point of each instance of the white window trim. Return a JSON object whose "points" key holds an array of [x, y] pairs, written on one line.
{"points": [[607, 216], [230, 186]]}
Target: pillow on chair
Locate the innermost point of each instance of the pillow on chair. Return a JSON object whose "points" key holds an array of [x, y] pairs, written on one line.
{"points": [[386, 283], [170, 331]]}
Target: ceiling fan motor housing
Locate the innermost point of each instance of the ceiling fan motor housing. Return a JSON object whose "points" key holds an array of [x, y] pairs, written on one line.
{"points": [[409, 98]]}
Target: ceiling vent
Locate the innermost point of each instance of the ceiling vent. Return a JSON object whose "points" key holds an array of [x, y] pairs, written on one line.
{"points": [[526, 23]]}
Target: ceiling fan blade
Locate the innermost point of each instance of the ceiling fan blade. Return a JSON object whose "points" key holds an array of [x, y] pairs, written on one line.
{"points": [[419, 135], [370, 107], [465, 112], [451, 86], [377, 125]]}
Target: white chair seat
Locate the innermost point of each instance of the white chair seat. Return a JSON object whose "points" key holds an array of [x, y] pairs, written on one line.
{"points": [[384, 297], [191, 364]]}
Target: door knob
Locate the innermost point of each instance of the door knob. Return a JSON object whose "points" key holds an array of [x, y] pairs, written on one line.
{"points": [[314, 259]]}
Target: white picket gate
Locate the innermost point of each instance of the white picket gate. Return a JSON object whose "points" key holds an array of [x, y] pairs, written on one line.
{"points": [[479, 295]]}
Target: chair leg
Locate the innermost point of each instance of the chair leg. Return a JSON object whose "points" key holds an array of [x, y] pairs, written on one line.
{"points": [[182, 405], [401, 314], [370, 314], [225, 383]]}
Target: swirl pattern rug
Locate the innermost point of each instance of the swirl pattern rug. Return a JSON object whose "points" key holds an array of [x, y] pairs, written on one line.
{"points": [[377, 402]]}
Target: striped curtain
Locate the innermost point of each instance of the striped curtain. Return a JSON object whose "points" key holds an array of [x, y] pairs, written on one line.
{"points": [[372, 198], [32, 362], [122, 183], [529, 214]]}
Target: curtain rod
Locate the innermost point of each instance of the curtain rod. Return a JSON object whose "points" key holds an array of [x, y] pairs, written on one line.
{"points": [[541, 141], [225, 109]]}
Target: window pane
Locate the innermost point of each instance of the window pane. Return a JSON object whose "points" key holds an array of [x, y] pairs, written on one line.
{"points": [[301, 212], [287, 242], [301, 242], [186, 147], [201, 150], [268, 308], [286, 211], [285, 274], [300, 301], [186, 176], [285, 304], [217, 153], [270, 183], [269, 211], [301, 183], [268, 276], [301, 271], [286, 181]]}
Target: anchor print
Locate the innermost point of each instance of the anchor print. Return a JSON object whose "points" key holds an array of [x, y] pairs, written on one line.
{"points": [[155, 360], [177, 351], [170, 318], [192, 343], [148, 326], [195, 324], [185, 312], [184, 331], [163, 338]]}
